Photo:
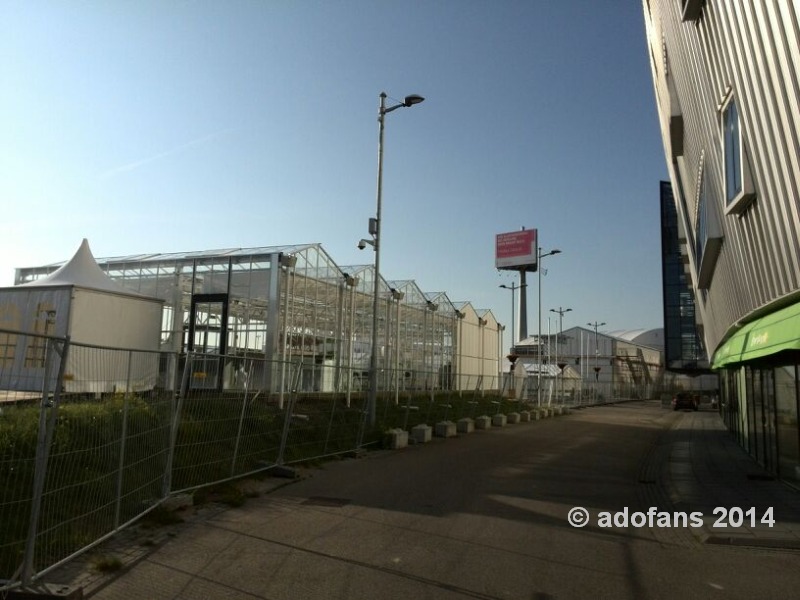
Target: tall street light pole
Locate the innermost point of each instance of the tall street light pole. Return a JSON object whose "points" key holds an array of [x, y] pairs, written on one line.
{"points": [[596, 353], [540, 256], [375, 231], [561, 312], [513, 288]]}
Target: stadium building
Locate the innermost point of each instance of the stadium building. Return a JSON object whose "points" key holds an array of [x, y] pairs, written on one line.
{"points": [[728, 96]]}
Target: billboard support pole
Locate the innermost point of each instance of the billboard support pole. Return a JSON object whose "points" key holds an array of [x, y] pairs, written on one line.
{"points": [[523, 306]]}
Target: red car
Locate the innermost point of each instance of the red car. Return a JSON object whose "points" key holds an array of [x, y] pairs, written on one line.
{"points": [[683, 400]]}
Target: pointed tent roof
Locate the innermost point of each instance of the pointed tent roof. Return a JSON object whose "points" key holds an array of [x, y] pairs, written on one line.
{"points": [[82, 271]]}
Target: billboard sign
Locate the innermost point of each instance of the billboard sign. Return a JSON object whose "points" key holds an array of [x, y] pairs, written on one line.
{"points": [[516, 250]]}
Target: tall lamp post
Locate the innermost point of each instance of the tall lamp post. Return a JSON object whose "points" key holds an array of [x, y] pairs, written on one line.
{"points": [[540, 256], [375, 242], [561, 312], [513, 288], [596, 353]]}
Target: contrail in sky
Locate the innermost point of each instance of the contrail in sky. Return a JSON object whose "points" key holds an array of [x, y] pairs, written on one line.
{"points": [[131, 166]]}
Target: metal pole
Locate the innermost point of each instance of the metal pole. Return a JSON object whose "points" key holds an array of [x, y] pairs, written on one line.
{"points": [[523, 306], [513, 288], [539, 330], [350, 342], [373, 358], [376, 244], [513, 316], [561, 312], [123, 442], [558, 341], [596, 353], [560, 337], [40, 467], [397, 355], [388, 345]]}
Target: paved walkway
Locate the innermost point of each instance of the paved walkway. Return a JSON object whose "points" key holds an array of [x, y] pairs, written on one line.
{"points": [[707, 469], [696, 464]]}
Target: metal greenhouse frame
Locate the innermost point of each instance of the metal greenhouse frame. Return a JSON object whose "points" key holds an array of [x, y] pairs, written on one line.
{"points": [[293, 305]]}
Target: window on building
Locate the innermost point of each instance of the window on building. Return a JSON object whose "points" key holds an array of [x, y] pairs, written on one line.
{"points": [[701, 227], [8, 345], [739, 190], [707, 233], [45, 325], [733, 157], [691, 9]]}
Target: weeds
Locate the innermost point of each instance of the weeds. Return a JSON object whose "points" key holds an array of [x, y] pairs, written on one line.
{"points": [[106, 564]]}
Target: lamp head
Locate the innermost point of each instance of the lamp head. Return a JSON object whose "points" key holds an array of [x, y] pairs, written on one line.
{"points": [[412, 100]]}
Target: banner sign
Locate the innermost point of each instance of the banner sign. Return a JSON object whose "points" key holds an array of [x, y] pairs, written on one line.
{"points": [[516, 250]]}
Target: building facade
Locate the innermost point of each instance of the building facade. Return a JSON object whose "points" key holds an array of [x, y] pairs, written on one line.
{"points": [[683, 348], [728, 96], [591, 365]]}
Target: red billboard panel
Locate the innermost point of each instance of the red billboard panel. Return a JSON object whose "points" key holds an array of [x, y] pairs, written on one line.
{"points": [[516, 250]]}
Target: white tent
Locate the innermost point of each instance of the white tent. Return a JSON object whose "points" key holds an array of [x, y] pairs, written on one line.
{"points": [[80, 301]]}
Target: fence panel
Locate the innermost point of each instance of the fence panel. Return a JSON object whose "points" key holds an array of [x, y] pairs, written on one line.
{"points": [[92, 438], [224, 433], [18, 443], [30, 366], [106, 453]]}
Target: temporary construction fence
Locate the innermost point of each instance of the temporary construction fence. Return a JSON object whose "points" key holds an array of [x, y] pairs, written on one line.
{"points": [[77, 464]]}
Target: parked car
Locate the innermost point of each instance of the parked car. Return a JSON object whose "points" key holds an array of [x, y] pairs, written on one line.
{"points": [[683, 400]]}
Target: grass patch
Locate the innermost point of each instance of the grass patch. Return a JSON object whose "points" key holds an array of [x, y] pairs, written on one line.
{"points": [[161, 517], [106, 564], [219, 436], [225, 493]]}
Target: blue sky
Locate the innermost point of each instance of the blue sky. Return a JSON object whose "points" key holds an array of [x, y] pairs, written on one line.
{"points": [[173, 126]]}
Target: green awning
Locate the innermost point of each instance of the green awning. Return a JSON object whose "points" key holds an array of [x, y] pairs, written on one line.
{"points": [[768, 335]]}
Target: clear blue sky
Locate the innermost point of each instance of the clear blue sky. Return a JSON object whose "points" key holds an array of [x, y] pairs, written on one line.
{"points": [[156, 126]]}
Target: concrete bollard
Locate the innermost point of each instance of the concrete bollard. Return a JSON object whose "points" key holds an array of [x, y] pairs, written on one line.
{"points": [[445, 429], [397, 438], [483, 422], [512, 418], [465, 425], [524, 416], [499, 420], [421, 433]]}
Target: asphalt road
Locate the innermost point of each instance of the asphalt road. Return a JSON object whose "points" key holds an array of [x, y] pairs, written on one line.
{"points": [[481, 516]]}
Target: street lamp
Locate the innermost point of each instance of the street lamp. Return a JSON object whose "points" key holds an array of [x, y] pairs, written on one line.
{"points": [[561, 312], [539, 332], [596, 353], [513, 288], [375, 231]]}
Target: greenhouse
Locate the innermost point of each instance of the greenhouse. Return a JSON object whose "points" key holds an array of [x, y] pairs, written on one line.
{"points": [[293, 305]]}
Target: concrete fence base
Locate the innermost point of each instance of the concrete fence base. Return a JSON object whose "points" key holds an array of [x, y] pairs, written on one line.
{"points": [[465, 425], [483, 422], [499, 420], [422, 433], [445, 429], [397, 438]]}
